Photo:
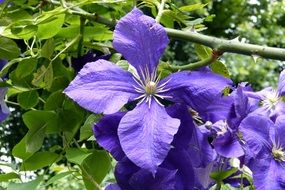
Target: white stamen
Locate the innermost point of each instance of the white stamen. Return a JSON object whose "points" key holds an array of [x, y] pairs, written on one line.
{"points": [[271, 100], [148, 87]]}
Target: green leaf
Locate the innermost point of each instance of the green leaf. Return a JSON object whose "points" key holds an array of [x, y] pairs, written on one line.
{"points": [[163, 69], [8, 176], [48, 48], [37, 122], [115, 57], [6, 68], [17, 89], [229, 187], [220, 68], [39, 160], [77, 155], [95, 167], [86, 130], [123, 64], [55, 101], [28, 99], [20, 150], [203, 52], [35, 139], [221, 175], [51, 26], [24, 32], [8, 49], [59, 83], [58, 177], [43, 77], [26, 67], [70, 121], [98, 32], [32, 185], [193, 7]]}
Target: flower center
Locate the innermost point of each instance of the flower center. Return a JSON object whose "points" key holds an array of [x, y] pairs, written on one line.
{"points": [[271, 100], [223, 128], [150, 88], [278, 154]]}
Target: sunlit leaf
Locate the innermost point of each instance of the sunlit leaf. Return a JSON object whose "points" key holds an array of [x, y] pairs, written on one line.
{"points": [[8, 49], [39, 160], [32, 185]]}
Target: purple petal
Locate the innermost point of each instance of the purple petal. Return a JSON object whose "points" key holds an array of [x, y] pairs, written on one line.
{"points": [[145, 135], [106, 134], [242, 106], [268, 175], [219, 109], [255, 132], [144, 180], [4, 110], [183, 136], [277, 133], [113, 187], [260, 94], [228, 145], [281, 84], [200, 150], [124, 171], [197, 89], [180, 160], [102, 86], [140, 40], [202, 175], [278, 111]]}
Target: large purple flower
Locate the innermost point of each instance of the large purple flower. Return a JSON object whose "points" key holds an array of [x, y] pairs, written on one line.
{"points": [[266, 140], [272, 100], [4, 110], [228, 141], [174, 173], [145, 133]]}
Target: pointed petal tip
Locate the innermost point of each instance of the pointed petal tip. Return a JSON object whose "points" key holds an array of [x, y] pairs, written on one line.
{"points": [[146, 134]]}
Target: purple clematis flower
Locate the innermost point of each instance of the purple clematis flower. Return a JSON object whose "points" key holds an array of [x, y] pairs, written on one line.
{"points": [[4, 110], [272, 100], [105, 131], [174, 173], [145, 133], [227, 140], [266, 140]]}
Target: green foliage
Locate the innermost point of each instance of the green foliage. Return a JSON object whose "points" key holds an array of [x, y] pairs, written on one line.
{"points": [[8, 48], [32, 185], [40, 39], [221, 175], [8, 176]]}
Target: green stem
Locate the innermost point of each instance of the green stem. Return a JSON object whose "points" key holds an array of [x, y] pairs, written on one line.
{"points": [[196, 65], [160, 11], [230, 46], [68, 45], [86, 175]]}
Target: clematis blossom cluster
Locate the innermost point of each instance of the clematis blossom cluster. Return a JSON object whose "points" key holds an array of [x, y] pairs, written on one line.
{"points": [[182, 126]]}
